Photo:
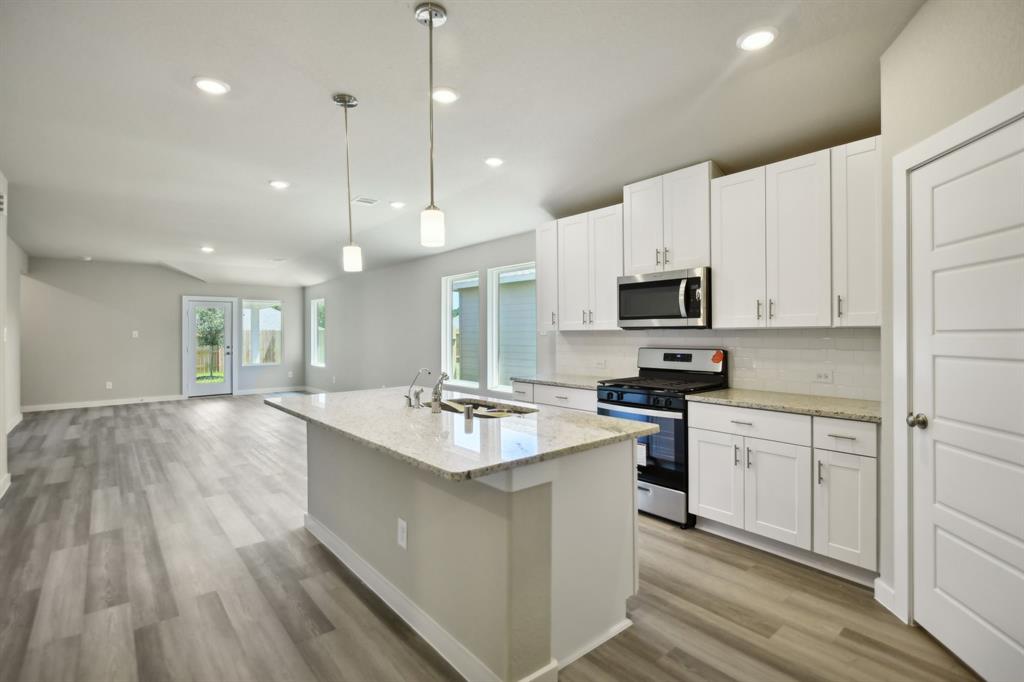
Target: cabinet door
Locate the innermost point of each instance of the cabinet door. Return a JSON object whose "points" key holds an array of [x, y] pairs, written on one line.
{"points": [[605, 267], [573, 272], [777, 491], [857, 234], [737, 250], [547, 277], [845, 507], [716, 476], [643, 222], [798, 238], [687, 205]]}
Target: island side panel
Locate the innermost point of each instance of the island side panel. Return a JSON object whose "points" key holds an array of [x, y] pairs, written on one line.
{"points": [[458, 566]]}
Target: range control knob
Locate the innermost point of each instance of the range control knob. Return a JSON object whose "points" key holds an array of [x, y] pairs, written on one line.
{"points": [[656, 402]]}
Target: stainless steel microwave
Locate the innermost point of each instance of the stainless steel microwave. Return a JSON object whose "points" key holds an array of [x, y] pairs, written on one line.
{"points": [[666, 300]]}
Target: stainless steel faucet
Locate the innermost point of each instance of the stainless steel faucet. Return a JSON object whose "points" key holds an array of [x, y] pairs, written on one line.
{"points": [[409, 394], [435, 398]]}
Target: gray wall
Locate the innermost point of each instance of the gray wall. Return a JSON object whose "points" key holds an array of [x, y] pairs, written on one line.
{"points": [[17, 265], [382, 325], [77, 320], [952, 58], [4, 476]]}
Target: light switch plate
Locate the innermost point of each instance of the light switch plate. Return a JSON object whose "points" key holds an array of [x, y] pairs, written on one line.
{"points": [[824, 376], [135, 333], [403, 533], [110, 385]]}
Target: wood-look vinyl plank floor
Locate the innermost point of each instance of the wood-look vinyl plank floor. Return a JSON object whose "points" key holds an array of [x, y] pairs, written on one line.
{"points": [[163, 542]]}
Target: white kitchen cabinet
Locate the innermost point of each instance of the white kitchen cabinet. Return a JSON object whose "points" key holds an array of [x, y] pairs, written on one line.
{"points": [[738, 250], [560, 396], [589, 265], [667, 221], [857, 234], [845, 507], [716, 476], [547, 277], [777, 494], [798, 241]]}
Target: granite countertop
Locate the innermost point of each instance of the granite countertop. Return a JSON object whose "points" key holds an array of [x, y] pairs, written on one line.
{"points": [[797, 403], [581, 381], [444, 444]]}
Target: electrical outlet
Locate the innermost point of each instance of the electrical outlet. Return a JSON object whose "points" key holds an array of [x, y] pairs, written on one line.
{"points": [[291, 374], [824, 376], [403, 533], [334, 380], [601, 364], [110, 385], [135, 333]]}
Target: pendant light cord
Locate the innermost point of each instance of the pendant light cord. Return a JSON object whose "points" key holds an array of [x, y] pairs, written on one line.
{"points": [[348, 179], [430, 93]]}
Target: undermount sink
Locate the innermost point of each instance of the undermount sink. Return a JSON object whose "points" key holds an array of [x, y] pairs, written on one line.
{"points": [[488, 409]]}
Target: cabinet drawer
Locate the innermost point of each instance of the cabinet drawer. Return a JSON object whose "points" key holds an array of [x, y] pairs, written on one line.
{"points": [[766, 424], [845, 435], [522, 391], [575, 398]]}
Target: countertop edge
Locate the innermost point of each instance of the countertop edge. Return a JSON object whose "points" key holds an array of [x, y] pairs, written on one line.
{"points": [[812, 412], [469, 473], [556, 382]]}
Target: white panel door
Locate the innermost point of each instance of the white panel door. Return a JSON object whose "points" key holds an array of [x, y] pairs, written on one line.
{"points": [[967, 262], [716, 476], [737, 250], [643, 227], [573, 272], [687, 202], [777, 491], [857, 234], [845, 505], [547, 276], [605, 226], [798, 226]]}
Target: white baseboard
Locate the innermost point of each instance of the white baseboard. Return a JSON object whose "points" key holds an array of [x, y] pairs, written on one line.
{"points": [[453, 651], [548, 673], [854, 574], [100, 403], [14, 422], [279, 389], [596, 642], [5, 484], [886, 596]]}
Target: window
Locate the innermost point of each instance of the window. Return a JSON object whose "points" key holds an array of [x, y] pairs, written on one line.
{"points": [[512, 324], [317, 332], [261, 333], [460, 328]]}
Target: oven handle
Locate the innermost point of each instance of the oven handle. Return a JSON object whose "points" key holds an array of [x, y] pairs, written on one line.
{"points": [[663, 414]]}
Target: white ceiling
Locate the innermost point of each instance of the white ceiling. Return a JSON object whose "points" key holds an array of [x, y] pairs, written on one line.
{"points": [[111, 152]]}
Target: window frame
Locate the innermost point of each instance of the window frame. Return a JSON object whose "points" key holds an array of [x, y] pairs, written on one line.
{"points": [[280, 345], [493, 330], [446, 328], [313, 346]]}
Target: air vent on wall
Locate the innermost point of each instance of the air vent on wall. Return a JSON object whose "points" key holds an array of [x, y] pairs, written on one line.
{"points": [[365, 201]]}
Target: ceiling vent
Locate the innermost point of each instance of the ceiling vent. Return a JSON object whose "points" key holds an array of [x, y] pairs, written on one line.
{"points": [[365, 201]]}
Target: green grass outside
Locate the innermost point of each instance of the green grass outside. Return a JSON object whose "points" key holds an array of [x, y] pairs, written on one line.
{"points": [[215, 378]]}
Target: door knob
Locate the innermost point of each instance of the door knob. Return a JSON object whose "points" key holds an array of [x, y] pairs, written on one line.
{"points": [[918, 420]]}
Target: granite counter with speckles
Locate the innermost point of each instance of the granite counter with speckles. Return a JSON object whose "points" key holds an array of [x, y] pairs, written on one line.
{"points": [[797, 403]]}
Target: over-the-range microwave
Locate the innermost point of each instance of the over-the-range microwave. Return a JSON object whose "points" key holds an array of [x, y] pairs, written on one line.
{"points": [[666, 300]]}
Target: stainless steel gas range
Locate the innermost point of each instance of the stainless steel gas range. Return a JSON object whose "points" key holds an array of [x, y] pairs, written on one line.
{"points": [[658, 395]]}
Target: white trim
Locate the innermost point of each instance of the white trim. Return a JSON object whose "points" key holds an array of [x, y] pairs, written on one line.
{"points": [[548, 673], [312, 331], [13, 423], [614, 630], [854, 574], [981, 122], [278, 389], [446, 329], [236, 339], [241, 320], [5, 485], [101, 403], [885, 596], [451, 649], [493, 331]]}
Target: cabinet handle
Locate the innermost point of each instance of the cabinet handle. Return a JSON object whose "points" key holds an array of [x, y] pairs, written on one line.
{"points": [[735, 455], [644, 490], [759, 309], [839, 305], [657, 256], [591, 317], [741, 423], [519, 392], [664, 255], [562, 397], [820, 477], [552, 319], [584, 317], [839, 435], [771, 308], [748, 457]]}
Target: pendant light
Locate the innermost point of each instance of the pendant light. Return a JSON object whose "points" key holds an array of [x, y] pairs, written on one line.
{"points": [[351, 255], [431, 218]]}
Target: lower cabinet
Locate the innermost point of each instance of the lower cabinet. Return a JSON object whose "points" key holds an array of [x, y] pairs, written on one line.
{"points": [[845, 514], [716, 476]]}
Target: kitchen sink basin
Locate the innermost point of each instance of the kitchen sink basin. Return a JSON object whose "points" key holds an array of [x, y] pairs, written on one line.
{"points": [[488, 409]]}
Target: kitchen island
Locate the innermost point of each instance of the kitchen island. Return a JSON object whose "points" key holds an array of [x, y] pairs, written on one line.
{"points": [[508, 544]]}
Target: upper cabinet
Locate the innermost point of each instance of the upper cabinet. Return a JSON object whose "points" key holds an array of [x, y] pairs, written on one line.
{"points": [[666, 221], [547, 277], [738, 250], [857, 234], [589, 264]]}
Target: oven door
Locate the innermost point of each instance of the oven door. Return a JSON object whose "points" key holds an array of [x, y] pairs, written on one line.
{"points": [[680, 298], [661, 457]]}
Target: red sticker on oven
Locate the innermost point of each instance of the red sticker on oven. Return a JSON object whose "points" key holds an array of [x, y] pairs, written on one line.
{"points": [[718, 357]]}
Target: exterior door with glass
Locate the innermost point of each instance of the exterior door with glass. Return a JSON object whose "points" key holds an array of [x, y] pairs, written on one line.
{"points": [[207, 356]]}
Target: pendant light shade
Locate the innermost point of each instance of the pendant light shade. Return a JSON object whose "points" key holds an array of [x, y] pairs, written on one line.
{"points": [[351, 255], [432, 231]]}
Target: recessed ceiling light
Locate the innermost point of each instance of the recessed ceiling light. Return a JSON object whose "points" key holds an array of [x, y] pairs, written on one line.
{"points": [[280, 184], [756, 40], [211, 86], [444, 95], [397, 205], [206, 249], [87, 258], [493, 161]]}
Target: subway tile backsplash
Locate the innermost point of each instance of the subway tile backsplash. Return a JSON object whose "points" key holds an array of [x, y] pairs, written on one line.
{"points": [[765, 359]]}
